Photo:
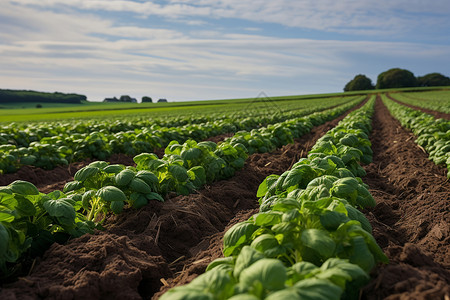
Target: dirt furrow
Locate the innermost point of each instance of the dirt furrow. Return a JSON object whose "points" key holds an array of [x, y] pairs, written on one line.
{"points": [[411, 219]]}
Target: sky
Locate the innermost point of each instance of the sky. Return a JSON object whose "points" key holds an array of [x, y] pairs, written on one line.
{"points": [[204, 49]]}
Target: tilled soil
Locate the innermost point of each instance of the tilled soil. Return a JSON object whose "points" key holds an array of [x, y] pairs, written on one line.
{"points": [[159, 245], [411, 219]]}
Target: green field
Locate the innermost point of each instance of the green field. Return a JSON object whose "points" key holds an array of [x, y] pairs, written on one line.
{"points": [[25, 112]]}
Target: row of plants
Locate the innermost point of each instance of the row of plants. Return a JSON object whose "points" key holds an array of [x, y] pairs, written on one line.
{"points": [[435, 100], [432, 134], [309, 240], [22, 134], [52, 146], [31, 221]]}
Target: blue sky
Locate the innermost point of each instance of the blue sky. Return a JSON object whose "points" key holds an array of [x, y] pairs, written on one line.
{"points": [[205, 49]]}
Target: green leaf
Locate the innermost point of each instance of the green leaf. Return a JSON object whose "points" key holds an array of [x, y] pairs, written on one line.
{"points": [[191, 154], [331, 220], [85, 173], [111, 193], [24, 206], [62, 210], [179, 173], [86, 199], [353, 270], [139, 185], [246, 258], [262, 189], [346, 188], [217, 282], [268, 244], [270, 273], [6, 215], [23, 188], [304, 268], [197, 176], [98, 164], [154, 196], [144, 158], [72, 186], [4, 241], [113, 169], [220, 261], [138, 200], [237, 235], [148, 177], [361, 255], [317, 289], [267, 218], [355, 214], [116, 206], [186, 292], [124, 177], [319, 241], [299, 177]]}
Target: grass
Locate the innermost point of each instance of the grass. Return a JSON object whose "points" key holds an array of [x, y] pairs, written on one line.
{"points": [[21, 112]]}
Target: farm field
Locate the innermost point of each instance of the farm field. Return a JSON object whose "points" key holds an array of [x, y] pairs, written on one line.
{"points": [[143, 253]]}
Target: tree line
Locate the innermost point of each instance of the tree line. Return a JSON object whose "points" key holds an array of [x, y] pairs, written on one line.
{"points": [[396, 78], [22, 96]]}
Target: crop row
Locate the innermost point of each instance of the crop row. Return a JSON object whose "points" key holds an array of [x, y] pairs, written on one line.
{"points": [[47, 146], [309, 240], [31, 221], [436, 100], [432, 134]]}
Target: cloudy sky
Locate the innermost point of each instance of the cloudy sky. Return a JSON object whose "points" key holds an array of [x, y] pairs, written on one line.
{"points": [[205, 49]]}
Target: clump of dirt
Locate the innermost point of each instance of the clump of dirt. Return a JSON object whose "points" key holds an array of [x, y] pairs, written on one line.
{"points": [[410, 220]]}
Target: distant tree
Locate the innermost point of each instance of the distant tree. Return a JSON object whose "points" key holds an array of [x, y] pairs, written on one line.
{"points": [[146, 99], [162, 100], [433, 79], [42, 97], [38, 105], [396, 78], [125, 98], [359, 83]]}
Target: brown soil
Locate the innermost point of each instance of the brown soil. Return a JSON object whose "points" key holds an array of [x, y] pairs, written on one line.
{"points": [[162, 244], [411, 219], [436, 114]]}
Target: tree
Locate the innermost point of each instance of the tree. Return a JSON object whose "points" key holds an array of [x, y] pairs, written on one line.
{"points": [[433, 79], [147, 99], [396, 78], [125, 98], [359, 83]]}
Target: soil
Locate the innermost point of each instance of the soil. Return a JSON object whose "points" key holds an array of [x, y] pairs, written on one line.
{"points": [[411, 219], [436, 114], [144, 252]]}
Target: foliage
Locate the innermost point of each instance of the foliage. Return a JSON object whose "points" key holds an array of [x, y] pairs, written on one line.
{"points": [[396, 78], [146, 99], [308, 241], [33, 96], [359, 83], [433, 79]]}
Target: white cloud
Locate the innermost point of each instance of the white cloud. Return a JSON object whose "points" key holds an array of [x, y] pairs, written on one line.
{"points": [[344, 16], [70, 50]]}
